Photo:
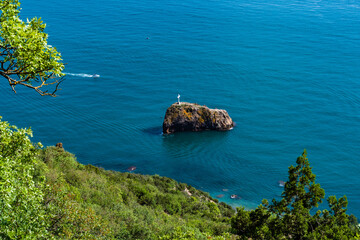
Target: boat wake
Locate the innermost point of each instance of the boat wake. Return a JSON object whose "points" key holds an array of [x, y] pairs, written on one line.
{"points": [[83, 75]]}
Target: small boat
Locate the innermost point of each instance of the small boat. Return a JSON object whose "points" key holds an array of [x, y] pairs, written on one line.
{"points": [[220, 195], [95, 75], [225, 190], [281, 183], [132, 168], [234, 196]]}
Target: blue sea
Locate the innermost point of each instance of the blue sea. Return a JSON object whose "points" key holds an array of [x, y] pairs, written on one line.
{"points": [[288, 73]]}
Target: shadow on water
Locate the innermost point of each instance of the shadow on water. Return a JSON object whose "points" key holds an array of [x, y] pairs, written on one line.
{"points": [[190, 140], [153, 130]]}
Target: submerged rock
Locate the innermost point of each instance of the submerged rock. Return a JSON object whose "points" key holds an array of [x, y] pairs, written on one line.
{"points": [[194, 117]]}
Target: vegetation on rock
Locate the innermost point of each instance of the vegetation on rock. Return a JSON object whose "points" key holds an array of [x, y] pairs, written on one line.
{"points": [[193, 117]]}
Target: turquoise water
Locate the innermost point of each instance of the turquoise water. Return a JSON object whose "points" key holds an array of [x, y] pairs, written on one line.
{"points": [[286, 71]]}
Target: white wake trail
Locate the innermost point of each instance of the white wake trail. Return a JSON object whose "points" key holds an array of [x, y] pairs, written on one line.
{"points": [[83, 75]]}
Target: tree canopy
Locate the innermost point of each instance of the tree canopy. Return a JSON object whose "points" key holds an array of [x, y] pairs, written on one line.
{"points": [[25, 56], [21, 211], [292, 217]]}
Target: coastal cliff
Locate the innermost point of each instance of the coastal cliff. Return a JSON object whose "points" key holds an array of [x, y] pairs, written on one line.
{"points": [[194, 117]]}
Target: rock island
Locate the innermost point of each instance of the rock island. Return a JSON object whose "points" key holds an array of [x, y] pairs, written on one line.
{"points": [[185, 116]]}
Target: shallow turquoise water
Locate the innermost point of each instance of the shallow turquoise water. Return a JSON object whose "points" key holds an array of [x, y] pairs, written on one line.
{"points": [[286, 71]]}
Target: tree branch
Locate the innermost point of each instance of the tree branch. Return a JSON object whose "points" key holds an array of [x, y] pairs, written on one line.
{"points": [[13, 83]]}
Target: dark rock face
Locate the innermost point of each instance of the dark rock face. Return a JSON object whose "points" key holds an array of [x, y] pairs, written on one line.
{"points": [[59, 145], [193, 117]]}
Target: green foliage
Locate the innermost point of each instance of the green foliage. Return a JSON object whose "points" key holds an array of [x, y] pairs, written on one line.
{"points": [[290, 218], [68, 218], [22, 215], [47, 194], [184, 234], [26, 57], [126, 205]]}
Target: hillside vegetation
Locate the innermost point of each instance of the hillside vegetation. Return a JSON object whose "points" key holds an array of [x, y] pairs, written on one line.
{"points": [[126, 205], [47, 194]]}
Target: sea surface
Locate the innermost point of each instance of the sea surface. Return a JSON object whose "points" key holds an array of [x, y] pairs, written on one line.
{"points": [[288, 73]]}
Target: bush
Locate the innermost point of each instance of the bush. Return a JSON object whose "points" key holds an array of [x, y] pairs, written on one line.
{"points": [[290, 218], [22, 213]]}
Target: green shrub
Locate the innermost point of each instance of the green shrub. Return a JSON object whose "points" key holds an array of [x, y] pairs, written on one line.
{"points": [[22, 214], [291, 218]]}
